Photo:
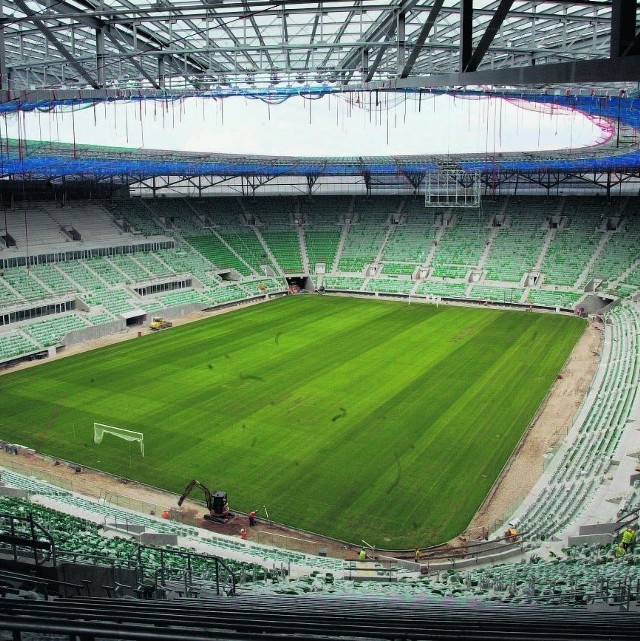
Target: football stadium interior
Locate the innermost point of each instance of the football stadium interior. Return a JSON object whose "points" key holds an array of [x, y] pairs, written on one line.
{"points": [[385, 396]]}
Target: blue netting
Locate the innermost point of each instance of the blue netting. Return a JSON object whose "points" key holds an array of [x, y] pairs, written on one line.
{"points": [[45, 166], [42, 162]]}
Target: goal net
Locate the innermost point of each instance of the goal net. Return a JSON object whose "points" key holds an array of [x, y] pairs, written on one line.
{"points": [[99, 430]]}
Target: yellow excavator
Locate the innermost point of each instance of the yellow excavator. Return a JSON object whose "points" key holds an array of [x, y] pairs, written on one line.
{"points": [[159, 323]]}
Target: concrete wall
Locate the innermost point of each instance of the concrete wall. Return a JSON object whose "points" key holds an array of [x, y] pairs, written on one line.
{"points": [[14, 492], [158, 539], [591, 539], [91, 333], [597, 528], [593, 304], [181, 310]]}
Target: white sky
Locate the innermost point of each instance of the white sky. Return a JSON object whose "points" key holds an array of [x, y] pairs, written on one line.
{"points": [[335, 125]]}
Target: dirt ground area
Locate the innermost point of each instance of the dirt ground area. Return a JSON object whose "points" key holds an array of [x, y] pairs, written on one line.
{"points": [[520, 475]]}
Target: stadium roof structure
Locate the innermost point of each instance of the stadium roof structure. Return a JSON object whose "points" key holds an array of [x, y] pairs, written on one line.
{"points": [[614, 163], [580, 55], [189, 46]]}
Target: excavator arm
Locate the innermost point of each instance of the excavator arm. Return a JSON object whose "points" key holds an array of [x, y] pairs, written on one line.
{"points": [[204, 488]]}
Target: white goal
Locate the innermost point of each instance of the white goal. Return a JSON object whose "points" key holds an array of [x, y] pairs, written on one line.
{"points": [[452, 187], [99, 430]]}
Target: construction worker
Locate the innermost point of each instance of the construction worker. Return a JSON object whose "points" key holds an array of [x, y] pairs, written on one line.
{"points": [[416, 556], [243, 534], [628, 537], [252, 518], [511, 535], [362, 555]]}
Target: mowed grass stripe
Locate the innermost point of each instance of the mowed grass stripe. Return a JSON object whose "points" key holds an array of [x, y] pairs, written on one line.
{"points": [[351, 417]]}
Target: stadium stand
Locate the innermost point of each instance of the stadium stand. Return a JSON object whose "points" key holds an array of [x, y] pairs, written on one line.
{"points": [[568, 243], [497, 294], [272, 286], [22, 283], [517, 245], [86, 219], [447, 290], [621, 251], [54, 279], [182, 297], [584, 459], [285, 247], [279, 617], [134, 216], [13, 344], [213, 248], [322, 246], [576, 242], [567, 300], [129, 267], [114, 300], [49, 331], [390, 285], [83, 277], [344, 282], [365, 237], [107, 270], [411, 242], [30, 225], [101, 512], [152, 264], [177, 214], [461, 245]]}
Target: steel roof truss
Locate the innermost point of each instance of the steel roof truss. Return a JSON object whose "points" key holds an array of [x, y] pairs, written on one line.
{"points": [[50, 37]]}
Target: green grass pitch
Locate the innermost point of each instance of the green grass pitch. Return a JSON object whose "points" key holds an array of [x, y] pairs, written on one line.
{"points": [[354, 418]]}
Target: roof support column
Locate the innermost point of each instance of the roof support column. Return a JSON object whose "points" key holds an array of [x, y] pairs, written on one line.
{"points": [[623, 26], [100, 56], [466, 33], [365, 65], [400, 35], [161, 71], [5, 77]]}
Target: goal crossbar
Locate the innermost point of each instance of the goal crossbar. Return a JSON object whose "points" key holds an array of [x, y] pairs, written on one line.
{"points": [[100, 429]]}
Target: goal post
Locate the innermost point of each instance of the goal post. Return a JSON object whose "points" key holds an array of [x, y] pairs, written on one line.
{"points": [[452, 187], [100, 429]]}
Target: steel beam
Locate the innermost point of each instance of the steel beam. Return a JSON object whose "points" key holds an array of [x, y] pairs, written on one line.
{"points": [[133, 61], [140, 42], [625, 69], [494, 25], [364, 71], [4, 71], [237, 9], [49, 35], [257, 31], [400, 39], [378, 59], [466, 33], [422, 37], [382, 28], [100, 57], [623, 26], [161, 72]]}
